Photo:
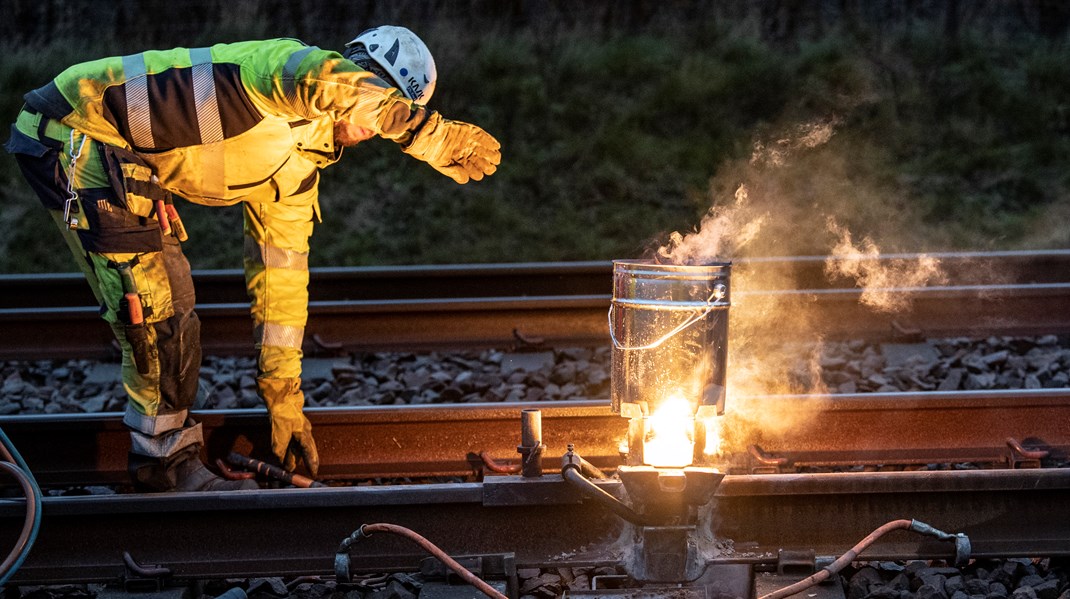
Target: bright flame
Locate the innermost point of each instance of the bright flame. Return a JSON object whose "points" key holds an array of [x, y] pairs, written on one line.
{"points": [[670, 434], [712, 425]]}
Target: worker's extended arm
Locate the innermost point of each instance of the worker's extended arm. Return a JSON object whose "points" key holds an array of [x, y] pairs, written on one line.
{"points": [[276, 276], [309, 83]]}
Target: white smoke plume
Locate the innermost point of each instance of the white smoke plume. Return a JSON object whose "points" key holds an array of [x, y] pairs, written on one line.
{"points": [[731, 230], [725, 230], [803, 137], [782, 198], [881, 282]]}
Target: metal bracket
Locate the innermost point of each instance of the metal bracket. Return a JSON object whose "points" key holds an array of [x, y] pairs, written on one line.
{"points": [[495, 566], [1020, 457], [527, 342], [767, 464], [801, 563], [531, 460], [323, 346], [609, 581], [142, 578]]}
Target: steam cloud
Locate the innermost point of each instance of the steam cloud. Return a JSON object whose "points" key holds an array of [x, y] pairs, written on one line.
{"points": [[880, 283], [724, 231], [805, 136], [784, 196]]}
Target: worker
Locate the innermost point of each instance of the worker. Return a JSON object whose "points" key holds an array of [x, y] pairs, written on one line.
{"points": [[109, 144]]}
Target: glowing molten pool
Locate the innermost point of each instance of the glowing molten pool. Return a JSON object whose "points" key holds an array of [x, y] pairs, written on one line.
{"points": [[670, 434]]}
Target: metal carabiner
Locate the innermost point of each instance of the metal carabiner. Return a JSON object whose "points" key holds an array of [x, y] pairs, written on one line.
{"points": [[70, 206]]}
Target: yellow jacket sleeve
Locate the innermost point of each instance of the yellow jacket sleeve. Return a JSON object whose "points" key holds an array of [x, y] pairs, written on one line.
{"points": [[306, 82]]}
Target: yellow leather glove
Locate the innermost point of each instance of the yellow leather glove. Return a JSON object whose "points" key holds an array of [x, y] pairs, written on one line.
{"points": [[291, 432], [458, 150]]}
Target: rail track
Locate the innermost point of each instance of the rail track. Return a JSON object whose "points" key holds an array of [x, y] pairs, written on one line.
{"points": [[845, 465], [1010, 429], [1014, 508], [557, 304]]}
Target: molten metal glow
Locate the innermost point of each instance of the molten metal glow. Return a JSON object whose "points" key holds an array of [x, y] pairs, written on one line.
{"points": [[670, 434], [713, 435]]}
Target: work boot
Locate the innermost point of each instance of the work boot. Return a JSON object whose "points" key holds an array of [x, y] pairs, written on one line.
{"points": [[183, 471], [192, 475]]}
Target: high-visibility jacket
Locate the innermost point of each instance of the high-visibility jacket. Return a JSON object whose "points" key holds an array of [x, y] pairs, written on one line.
{"points": [[247, 122]]}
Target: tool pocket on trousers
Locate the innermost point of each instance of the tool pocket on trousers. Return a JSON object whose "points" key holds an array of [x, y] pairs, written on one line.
{"points": [[122, 216], [152, 285], [133, 180], [115, 229], [143, 346]]}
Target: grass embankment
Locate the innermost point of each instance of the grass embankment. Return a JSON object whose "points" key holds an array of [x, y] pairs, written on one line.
{"points": [[612, 141]]}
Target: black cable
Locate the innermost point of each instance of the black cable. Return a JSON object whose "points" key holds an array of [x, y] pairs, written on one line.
{"points": [[572, 474]]}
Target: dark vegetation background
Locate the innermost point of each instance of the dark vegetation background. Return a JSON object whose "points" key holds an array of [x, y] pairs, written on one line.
{"points": [[623, 121]]}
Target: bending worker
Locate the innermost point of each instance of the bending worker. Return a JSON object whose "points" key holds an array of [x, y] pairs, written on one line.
{"points": [[109, 143]]}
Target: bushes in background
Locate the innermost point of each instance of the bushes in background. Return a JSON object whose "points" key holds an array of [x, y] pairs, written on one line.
{"points": [[616, 131]]}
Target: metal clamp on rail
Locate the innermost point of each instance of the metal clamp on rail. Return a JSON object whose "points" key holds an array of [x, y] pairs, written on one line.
{"points": [[573, 470], [1018, 456], [767, 464], [139, 577], [342, 559], [963, 548]]}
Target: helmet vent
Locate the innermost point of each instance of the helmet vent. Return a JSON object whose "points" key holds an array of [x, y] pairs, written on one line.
{"points": [[359, 55], [392, 54]]}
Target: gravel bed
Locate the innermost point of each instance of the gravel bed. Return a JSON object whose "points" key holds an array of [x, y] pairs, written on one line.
{"points": [[989, 579], [1019, 578], [948, 365], [68, 386]]}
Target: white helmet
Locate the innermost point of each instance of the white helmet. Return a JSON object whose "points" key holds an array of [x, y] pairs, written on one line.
{"points": [[399, 57]]}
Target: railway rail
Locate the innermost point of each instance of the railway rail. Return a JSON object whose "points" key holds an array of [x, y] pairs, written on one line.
{"points": [[1015, 510], [543, 278], [556, 304], [1012, 429], [291, 532]]}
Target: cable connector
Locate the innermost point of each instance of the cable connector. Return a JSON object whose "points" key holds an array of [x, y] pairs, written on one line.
{"points": [[342, 559], [963, 548], [962, 554]]}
